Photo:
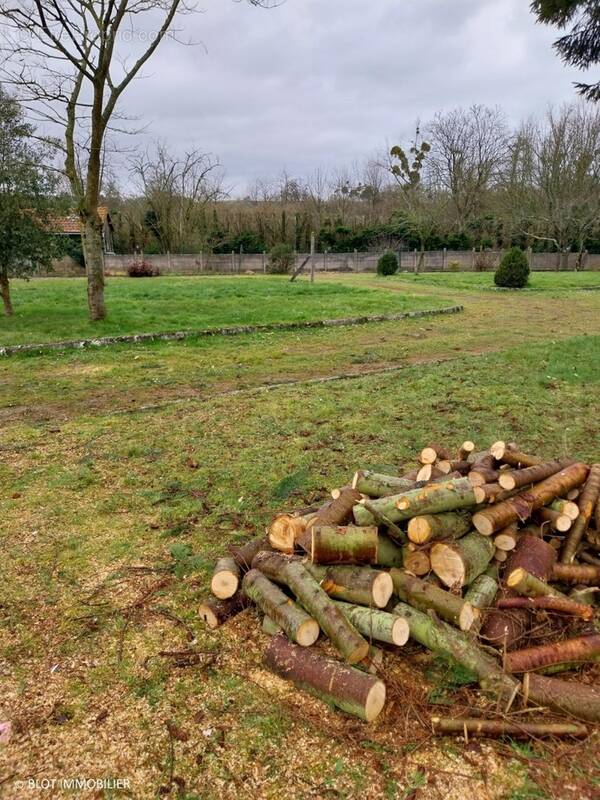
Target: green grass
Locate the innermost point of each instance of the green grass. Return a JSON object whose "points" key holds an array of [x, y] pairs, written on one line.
{"points": [[539, 281], [55, 308]]}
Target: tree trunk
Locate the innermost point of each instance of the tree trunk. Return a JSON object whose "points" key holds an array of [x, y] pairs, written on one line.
{"points": [[458, 563], [429, 527], [297, 624], [344, 545], [375, 484], [583, 648], [565, 696], [226, 578], [521, 506], [244, 553], [5, 291], [442, 638], [495, 728], [586, 502], [423, 595], [361, 585], [563, 605], [91, 239], [510, 455], [375, 624], [345, 687], [576, 573], [216, 612], [517, 478], [332, 622]]}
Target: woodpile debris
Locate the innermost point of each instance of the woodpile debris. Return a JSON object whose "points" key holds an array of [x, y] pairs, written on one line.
{"points": [[470, 554]]}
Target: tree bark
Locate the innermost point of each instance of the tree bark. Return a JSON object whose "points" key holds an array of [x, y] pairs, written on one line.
{"points": [[442, 638], [424, 596], [576, 573], [389, 554], [332, 622], [481, 595], [5, 292], [564, 605], [521, 506], [458, 563], [244, 553], [216, 612], [587, 503], [495, 728], [516, 479], [583, 648], [510, 455], [335, 512], [568, 697], [360, 585], [91, 239], [345, 687], [375, 624], [344, 545], [375, 484], [297, 624], [226, 578], [451, 525], [548, 518], [393, 530]]}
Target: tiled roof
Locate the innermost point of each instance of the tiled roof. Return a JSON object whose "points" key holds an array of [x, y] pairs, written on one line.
{"points": [[70, 224]]}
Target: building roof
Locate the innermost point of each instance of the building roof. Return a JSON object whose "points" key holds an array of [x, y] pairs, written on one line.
{"points": [[70, 224]]}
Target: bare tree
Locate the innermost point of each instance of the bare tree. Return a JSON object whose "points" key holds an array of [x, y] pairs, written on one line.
{"points": [[71, 63]]}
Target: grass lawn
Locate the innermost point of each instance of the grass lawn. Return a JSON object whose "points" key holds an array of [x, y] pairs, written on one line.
{"points": [[51, 309], [538, 281], [102, 509]]}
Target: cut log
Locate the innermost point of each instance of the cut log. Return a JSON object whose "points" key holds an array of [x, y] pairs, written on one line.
{"points": [[416, 561], [335, 512], [297, 624], [244, 553], [332, 622], [431, 499], [345, 687], [528, 585], [521, 506], [374, 624], [586, 503], [507, 538], [587, 595], [373, 662], [226, 578], [442, 638], [547, 518], [429, 472], [458, 563], [361, 585], [483, 475], [431, 453], [496, 728], [270, 627], [465, 450], [567, 507], [509, 455], [563, 605], [518, 478], [393, 530], [481, 456], [482, 592], [576, 573], [344, 544], [490, 493], [286, 530], [567, 697], [583, 648], [389, 553], [460, 466], [375, 484], [500, 556], [216, 612], [423, 595], [451, 525]]}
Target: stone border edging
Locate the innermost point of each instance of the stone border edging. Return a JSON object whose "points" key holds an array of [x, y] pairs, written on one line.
{"points": [[236, 330]]}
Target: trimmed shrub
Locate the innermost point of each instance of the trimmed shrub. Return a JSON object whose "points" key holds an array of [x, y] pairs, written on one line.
{"points": [[387, 264], [141, 269], [281, 259], [513, 270]]}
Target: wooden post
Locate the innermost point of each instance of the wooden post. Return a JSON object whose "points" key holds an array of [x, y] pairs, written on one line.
{"points": [[444, 252], [415, 259], [473, 260], [241, 256], [264, 261], [201, 261], [232, 262], [400, 260], [355, 260], [312, 257]]}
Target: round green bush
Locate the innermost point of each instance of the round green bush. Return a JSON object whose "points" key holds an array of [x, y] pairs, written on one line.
{"points": [[281, 258], [513, 270], [387, 264]]}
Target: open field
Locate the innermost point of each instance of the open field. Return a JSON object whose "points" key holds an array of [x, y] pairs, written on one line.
{"points": [[475, 281], [102, 509], [55, 308]]}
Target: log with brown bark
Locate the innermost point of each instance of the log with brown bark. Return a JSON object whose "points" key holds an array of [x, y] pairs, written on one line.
{"points": [[423, 595], [216, 612], [586, 503], [482, 475], [335, 512], [510, 455], [583, 648], [285, 530], [226, 578], [507, 538], [490, 493], [433, 452], [465, 450], [496, 728], [458, 563], [576, 573], [516, 479], [348, 544], [349, 689], [430, 472], [361, 585], [562, 605], [244, 553], [548, 519], [568, 697], [457, 465], [521, 506]]}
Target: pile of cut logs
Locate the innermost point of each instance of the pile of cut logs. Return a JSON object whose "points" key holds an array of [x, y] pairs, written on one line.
{"points": [[463, 554]]}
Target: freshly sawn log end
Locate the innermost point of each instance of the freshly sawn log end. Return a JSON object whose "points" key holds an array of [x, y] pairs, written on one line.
{"points": [[226, 578]]}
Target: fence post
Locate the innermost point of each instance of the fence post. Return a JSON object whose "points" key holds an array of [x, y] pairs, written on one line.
{"points": [[400, 260], [355, 260], [169, 265], [312, 257], [473, 260], [233, 262], [415, 259], [264, 262], [443, 259]]}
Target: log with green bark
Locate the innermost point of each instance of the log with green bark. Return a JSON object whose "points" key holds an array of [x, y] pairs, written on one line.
{"points": [[397, 534], [458, 563], [568, 697], [297, 624], [334, 512], [495, 728], [562, 605], [226, 578], [521, 506], [216, 612], [316, 602], [576, 573], [510, 455], [428, 527], [586, 503], [270, 627], [582, 648], [348, 544], [517, 478], [442, 638], [431, 499], [481, 595], [243, 554], [424, 596], [389, 553], [528, 585], [345, 687], [360, 585], [375, 484], [375, 624], [567, 507]]}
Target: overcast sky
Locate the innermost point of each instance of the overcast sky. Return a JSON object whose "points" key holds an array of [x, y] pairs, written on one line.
{"points": [[327, 82]]}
